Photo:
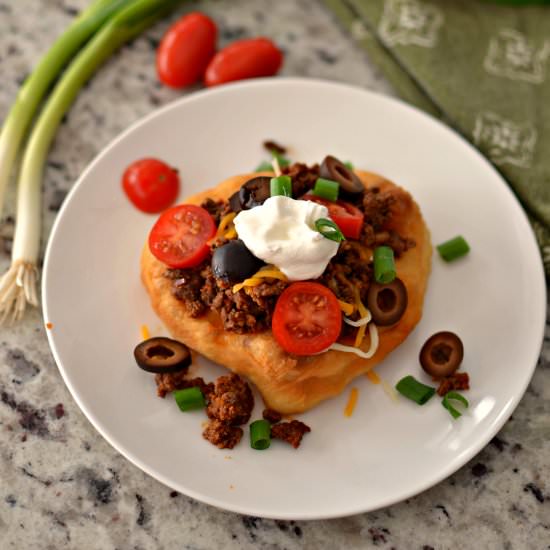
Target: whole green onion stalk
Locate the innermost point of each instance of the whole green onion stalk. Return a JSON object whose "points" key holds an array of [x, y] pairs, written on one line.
{"points": [[18, 285], [32, 92]]}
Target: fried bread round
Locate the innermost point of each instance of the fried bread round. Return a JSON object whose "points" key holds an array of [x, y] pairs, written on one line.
{"points": [[287, 383]]}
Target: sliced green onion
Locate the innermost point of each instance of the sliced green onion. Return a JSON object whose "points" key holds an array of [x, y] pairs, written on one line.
{"points": [[326, 189], [281, 185], [264, 167], [283, 161], [349, 165], [412, 389], [454, 396], [18, 285], [189, 399], [260, 435], [329, 229], [384, 265], [453, 249]]}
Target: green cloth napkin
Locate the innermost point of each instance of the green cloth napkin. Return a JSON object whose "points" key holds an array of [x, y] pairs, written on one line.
{"points": [[481, 67]]}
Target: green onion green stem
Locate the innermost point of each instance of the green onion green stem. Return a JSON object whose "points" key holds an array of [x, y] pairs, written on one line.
{"points": [[329, 230], [18, 285], [384, 265], [35, 87], [326, 189], [454, 396], [260, 435], [412, 389], [189, 399], [265, 166], [453, 249], [281, 185]]}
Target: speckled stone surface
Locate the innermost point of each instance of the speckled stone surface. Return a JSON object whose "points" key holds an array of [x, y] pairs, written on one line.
{"points": [[63, 486]]}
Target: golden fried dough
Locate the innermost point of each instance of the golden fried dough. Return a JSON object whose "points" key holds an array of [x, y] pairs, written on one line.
{"points": [[291, 384]]}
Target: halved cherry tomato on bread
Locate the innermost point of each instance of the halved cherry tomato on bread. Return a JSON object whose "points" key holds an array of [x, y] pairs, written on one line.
{"points": [[345, 215], [249, 58], [307, 318], [151, 185], [180, 236], [185, 50]]}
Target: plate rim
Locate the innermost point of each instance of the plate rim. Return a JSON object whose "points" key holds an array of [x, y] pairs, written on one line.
{"points": [[538, 280]]}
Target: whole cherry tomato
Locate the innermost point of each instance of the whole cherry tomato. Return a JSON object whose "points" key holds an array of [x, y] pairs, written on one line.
{"points": [[151, 185], [186, 49], [248, 58], [307, 318], [180, 236]]}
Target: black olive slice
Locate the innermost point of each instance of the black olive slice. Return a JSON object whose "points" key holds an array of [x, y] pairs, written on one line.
{"points": [[387, 303], [333, 169], [442, 354], [162, 355], [254, 192], [233, 262], [235, 202]]}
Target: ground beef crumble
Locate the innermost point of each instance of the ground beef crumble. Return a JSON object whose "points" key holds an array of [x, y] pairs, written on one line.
{"points": [[217, 209], [232, 401], [272, 416], [457, 381], [172, 381], [291, 432], [224, 436]]}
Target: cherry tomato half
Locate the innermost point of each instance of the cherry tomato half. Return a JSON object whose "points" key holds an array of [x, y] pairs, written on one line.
{"points": [[345, 215], [151, 185], [180, 236], [249, 58], [307, 318], [186, 49]]}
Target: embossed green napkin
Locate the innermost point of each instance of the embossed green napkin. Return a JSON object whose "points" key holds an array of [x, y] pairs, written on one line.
{"points": [[483, 68]]}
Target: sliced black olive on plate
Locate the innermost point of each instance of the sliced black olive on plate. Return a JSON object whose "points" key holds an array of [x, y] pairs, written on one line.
{"points": [[233, 262], [162, 355], [442, 354], [387, 303], [254, 192], [333, 169]]}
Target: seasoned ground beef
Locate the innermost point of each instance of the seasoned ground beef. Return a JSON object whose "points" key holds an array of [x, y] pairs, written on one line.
{"points": [[271, 145], [232, 401], [272, 416], [250, 309], [303, 177], [222, 435], [291, 432], [457, 381], [217, 209], [169, 382]]}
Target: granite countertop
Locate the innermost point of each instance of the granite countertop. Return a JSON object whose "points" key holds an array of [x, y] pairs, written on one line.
{"points": [[63, 486]]}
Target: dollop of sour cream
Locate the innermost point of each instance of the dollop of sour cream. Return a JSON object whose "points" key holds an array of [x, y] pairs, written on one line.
{"points": [[282, 232]]}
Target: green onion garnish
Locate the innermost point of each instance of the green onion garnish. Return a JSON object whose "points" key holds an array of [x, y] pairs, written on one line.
{"points": [[349, 165], [189, 399], [265, 166], [260, 435], [326, 189], [411, 388], [281, 185], [384, 265], [329, 229], [453, 249], [282, 160], [452, 395]]}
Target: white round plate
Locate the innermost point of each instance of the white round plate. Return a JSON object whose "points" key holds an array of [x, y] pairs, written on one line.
{"points": [[387, 451]]}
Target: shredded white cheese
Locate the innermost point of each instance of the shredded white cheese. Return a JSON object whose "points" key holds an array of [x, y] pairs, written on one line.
{"points": [[364, 321], [373, 333]]}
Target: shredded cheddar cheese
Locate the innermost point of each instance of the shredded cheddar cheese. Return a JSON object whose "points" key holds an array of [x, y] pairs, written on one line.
{"points": [[352, 401], [363, 311], [348, 309], [267, 271], [225, 222], [373, 377], [145, 334], [231, 233]]}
